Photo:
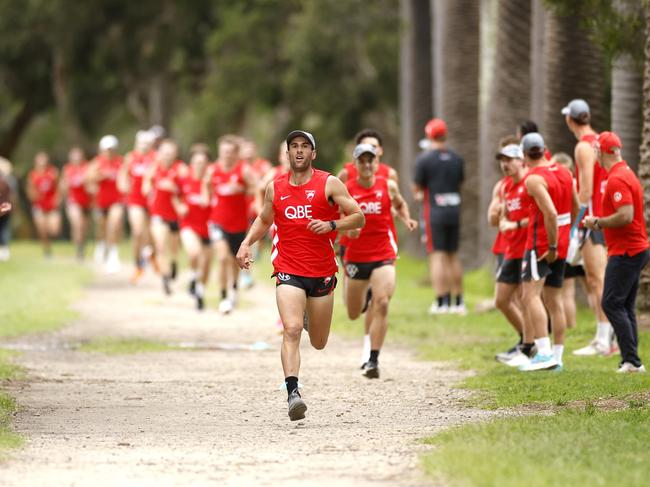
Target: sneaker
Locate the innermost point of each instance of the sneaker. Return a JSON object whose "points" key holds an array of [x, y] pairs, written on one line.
{"points": [[113, 265], [558, 369], [233, 297], [540, 362], [4, 254], [100, 253], [506, 356], [137, 275], [297, 406], [371, 370], [594, 348], [438, 310], [167, 287], [628, 368], [458, 309], [246, 280], [200, 304], [225, 306], [174, 267], [192, 287], [519, 359]]}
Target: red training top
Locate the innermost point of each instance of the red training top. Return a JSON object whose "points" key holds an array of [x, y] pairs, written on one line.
{"points": [[198, 213], [44, 184], [297, 250], [138, 165], [74, 176], [600, 179], [228, 207], [517, 202], [376, 242], [162, 198], [563, 206], [108, 194], [623, 188]]}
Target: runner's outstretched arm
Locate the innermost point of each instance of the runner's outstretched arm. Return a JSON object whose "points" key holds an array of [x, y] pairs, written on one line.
{"points": [[399, 204], [258, 229], [338, 193]]}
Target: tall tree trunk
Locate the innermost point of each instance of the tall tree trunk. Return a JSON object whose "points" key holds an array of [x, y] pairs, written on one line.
{"points": [[9, 140], [509, 99], [61, 91], [537, 61], [458, 72], [415, 85], [575, 69], [643, 299], [159, 100]]}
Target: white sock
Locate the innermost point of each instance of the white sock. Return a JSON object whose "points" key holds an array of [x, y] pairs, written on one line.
{"points": [[199, 289], [558, 351], [365, 355], [543, 345], [604, 332]]}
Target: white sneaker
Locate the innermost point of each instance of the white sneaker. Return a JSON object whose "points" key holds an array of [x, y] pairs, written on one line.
{"points": [[233, 297], [113, 264], [225, 306], [458, 309], [100, 253], [540, 362], [518, 360], [594, 348], [438, 310], [4, 254], [628, 368]]}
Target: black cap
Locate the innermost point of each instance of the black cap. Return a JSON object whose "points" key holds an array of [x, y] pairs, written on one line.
{"points": [[301, 133]]}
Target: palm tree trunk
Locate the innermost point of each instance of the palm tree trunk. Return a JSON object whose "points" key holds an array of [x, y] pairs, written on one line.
{"points": [[457, 62], [643, 300], [627, 96], [575, 69]]}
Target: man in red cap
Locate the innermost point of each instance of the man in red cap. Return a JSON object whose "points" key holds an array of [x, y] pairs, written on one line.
{"points": [[627, 247], [439, 172]]}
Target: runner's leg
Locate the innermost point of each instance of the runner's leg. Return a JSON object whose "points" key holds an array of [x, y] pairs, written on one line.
{"points": [[292, 303], [41, 231], [356, 296], [320, 311], [382, 281], [506, 302]]}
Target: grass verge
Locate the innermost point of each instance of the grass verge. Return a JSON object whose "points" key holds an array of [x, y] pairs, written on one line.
{"points": [[125, 346]]}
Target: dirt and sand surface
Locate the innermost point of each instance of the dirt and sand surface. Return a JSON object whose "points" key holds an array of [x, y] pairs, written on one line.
{"points": [[213, 414]]}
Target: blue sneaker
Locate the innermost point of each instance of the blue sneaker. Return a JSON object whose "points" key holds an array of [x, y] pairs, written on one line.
{"points": [[540, 362], [559, 368]]}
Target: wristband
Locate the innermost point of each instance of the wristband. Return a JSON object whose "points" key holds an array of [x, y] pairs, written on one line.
{"points": [[597, 224], [553, 248], [332, 224], [518, 223]]}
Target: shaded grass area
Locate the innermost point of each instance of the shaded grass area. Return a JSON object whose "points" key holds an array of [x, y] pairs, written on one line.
{"points": [[8, 371], [125, 346], [574, 447]]}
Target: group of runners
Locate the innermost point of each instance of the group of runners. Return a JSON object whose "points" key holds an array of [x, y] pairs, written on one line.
{"points": [[550, 214]]}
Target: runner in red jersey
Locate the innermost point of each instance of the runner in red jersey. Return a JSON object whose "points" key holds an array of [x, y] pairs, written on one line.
{"points": [[371, 252], [510, 217], [349, 172], [136, 164], [591, 178], [160, 184], [304, 205], [228, 183], [103, 173], [78, 202], [194, 209], [42, 182]]}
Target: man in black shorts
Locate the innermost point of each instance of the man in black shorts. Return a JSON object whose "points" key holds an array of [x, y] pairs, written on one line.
{"points": [[439, 173]]}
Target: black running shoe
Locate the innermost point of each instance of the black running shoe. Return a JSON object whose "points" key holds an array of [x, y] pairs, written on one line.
{"points": [[297, 406], [199, 303], [366, 305], [167, 286], [192, 287], [371, 370], [174, 270]]}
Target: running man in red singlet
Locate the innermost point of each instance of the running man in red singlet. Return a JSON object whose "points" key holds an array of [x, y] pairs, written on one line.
{"points": [[103, 173], [552, 206], [591, 179], [305, 206], [136, 164], [349, 172], [74, 185], [228, 182], [42, 184], [160, 184], [194, 209], [371, 252]]}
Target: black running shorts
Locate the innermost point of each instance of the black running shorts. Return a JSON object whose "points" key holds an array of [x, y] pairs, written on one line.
{"points": [[314, 287], [361, 270], [234, 240], [597, 237], [171, 224], [573, 271], [536, 270], [510, 272], [444, 238]]}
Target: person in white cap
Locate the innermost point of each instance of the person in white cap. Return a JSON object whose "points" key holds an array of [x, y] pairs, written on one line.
{"points": [[591, 179], [103, 172]]}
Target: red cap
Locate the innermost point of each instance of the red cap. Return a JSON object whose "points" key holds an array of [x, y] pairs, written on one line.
{"points": [[608, 141], [435, 128]]}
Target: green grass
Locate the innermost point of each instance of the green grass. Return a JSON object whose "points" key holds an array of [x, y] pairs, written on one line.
{"points": [[8, 371], [125, 346], [37, 292], [574, 447]]}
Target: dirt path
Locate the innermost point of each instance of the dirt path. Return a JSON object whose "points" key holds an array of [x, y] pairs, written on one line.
{"points": [[216, 416]]}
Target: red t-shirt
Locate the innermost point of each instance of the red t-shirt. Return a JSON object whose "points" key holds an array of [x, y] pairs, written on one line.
{"points": [[297, 250], [44, 184], [536, 237], [108, 194], [228, 206], [75, 178], [599, 177], [623, 188], [138, 165], [376, 242], [198, 213], [161, 198], [516, 202]]}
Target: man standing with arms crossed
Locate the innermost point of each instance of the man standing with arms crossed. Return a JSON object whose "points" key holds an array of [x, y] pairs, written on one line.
{"points": [[627, 247], [591, 178], [304, 205]]}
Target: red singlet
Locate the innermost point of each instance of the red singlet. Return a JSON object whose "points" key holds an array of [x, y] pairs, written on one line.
{"points": [[228, 206], [161, 199], [517, 201], [138, 166], [44, 184], [108, 194], [599, 177], [75, 176], [297, 250], [198, 213]]}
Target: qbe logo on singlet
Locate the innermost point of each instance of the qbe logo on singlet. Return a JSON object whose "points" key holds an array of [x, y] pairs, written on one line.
{"points": [[298, 212], [513, 204], [370, 207]]}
